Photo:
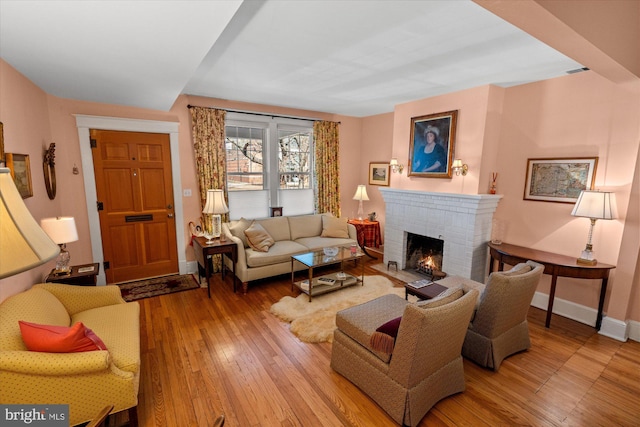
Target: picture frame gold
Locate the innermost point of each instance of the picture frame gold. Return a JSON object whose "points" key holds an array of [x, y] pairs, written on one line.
{"points": [[20, 168], [1, 143], [431, 146], [379, 173], [559, 179]]}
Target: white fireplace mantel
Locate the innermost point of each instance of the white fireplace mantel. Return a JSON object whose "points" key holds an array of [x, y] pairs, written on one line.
{"points": [[463, 221]]}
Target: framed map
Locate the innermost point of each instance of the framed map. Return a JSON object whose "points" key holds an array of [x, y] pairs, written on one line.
{"points": [[560, 179]]}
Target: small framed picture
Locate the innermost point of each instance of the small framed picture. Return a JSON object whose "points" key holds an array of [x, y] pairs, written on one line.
{"points": [[379, 173], [20, 169], [559, 179], [277, 211]]}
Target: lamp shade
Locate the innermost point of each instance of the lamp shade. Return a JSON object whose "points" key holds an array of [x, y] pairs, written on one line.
{"points": [[61, 229], [595, 205], [361, 193], [457, 163], [23, 244], [215, 203], [393, 162]]}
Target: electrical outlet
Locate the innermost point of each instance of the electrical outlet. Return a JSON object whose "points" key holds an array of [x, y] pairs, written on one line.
{"points": [[186, 192]]}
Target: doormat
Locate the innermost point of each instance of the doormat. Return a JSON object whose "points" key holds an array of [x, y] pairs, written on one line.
{"points": [[132, 291]]}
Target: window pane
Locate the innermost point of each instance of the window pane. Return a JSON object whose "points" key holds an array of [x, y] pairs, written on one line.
{"points": [[294, 158], [244, 146]]}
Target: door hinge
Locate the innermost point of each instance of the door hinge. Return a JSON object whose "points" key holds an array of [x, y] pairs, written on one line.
{"points": [[106, 265], [100, 206], [93, 142]]}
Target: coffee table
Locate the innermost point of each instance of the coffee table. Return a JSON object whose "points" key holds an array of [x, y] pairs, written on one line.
{"points": [[327, 282]]}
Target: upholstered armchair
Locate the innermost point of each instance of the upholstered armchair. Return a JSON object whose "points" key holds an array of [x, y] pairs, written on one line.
{"points": [[85, 380], [499, 326], [421, 366]]}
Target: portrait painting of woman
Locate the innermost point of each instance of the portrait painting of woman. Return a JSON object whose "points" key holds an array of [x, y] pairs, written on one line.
{"points": [[431, 145]]}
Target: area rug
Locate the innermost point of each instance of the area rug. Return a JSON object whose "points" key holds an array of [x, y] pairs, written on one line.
{"points": [[315, 321], [132, 291]]}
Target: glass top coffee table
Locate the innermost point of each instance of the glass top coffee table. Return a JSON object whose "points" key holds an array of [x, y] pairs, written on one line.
{"points": [[328, 282]]}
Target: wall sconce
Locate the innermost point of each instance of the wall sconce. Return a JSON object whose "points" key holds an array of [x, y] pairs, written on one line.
{"points": [[459, 168], [395, 166]]}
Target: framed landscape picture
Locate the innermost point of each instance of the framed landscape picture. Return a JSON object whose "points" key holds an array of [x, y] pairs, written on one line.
{"points": [[431, 145], [559, 179], [379, 173], [20, 169]]}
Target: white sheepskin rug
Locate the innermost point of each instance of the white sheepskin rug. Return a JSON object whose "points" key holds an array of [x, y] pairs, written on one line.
{"points": [[315, 321]]}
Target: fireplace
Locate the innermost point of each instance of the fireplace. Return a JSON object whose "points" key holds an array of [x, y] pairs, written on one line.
{"points": [[424, 254], [461, 221]]}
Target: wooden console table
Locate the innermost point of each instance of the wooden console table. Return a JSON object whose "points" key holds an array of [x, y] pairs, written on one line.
{"points": [[555, 265]]}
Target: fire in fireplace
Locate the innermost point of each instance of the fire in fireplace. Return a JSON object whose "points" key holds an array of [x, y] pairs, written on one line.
{"points": [[424, 254]]}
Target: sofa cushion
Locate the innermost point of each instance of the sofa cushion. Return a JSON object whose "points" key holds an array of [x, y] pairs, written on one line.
{"points": [[361, 321], [259, 239], [238, 228], [277, 227], [59, 339], [280, 252], [317, 243], [114, 324], [334, 227], [305, 226]]}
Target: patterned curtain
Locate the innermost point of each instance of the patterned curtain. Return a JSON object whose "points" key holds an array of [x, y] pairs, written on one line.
{"points": [[327, 147], [207, 125]]}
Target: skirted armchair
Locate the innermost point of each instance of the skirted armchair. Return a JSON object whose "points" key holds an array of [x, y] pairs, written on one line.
{"points": [[85, 380], [499, 326], [410, 373]]}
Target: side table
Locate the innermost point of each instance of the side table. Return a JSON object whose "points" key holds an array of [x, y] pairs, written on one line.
{"points": [[368, 234], [81, 275], [203, 251]]}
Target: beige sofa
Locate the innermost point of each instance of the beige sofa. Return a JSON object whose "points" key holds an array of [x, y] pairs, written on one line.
{"points": [[87, 381], [291, 235]]}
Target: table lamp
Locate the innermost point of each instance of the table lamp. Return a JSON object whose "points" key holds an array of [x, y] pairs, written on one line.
{"points": [[214, 206], [361, 194], [593, 205], [62, 230], [23, 244]]}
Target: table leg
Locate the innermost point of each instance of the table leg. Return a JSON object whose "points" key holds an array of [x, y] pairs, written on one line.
{"points": [[552, 294], [603, 293], [207, 272]]}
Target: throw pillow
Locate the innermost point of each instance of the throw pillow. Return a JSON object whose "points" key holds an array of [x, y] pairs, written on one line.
{"points": [[59, 339], [450, 295], [517, 270], [334, 227], [384, 338], [258, 238], [238, 229]]}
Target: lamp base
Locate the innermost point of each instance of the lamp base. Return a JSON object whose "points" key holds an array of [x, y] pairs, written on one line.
{"points": [[583, 261], [587, 257], [59, 273]]}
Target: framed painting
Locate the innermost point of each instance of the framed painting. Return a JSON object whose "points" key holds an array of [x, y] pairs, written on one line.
{"points": [[1, 143], [276, 211], [431, 146], [559, 179], [20, 169], [379, 174]]}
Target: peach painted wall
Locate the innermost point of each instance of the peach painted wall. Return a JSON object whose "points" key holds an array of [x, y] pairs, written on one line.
{"points": [[24, 114]]}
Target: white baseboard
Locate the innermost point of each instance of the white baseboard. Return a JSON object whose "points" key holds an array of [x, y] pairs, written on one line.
{"points": [[612, 328]]}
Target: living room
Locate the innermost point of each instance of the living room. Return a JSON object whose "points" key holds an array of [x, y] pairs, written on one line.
{"points": [[594, 113]]}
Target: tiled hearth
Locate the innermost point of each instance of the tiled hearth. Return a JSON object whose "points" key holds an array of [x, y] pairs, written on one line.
{"points": [[463, 221]]}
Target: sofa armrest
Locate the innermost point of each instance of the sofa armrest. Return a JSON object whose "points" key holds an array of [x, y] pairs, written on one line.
{"points": [[353, 232], [54, 364], [81, 298]]}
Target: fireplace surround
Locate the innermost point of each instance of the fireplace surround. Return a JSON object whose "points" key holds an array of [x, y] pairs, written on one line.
{"points": [[462, 221]]}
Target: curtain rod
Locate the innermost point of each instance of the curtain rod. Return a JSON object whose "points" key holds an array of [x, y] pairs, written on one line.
{"points": [[262, 114]]}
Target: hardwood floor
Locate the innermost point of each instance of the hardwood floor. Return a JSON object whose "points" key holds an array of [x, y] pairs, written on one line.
{"points": [[228, 354]]}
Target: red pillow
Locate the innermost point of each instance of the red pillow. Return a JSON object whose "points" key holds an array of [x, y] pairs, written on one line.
{"points": [[59, 339], [384, 338]]}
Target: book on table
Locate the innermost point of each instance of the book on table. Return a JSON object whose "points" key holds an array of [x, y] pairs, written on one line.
{"points": [[427, 288]]}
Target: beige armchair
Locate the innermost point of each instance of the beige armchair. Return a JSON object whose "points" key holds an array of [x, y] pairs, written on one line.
{"points": [[499, 326], [424, 365]]}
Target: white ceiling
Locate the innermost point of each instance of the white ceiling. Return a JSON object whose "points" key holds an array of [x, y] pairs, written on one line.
{"points": [[350, 57]]}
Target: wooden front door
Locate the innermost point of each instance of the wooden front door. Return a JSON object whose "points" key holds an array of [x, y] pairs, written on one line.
{"points": [[135, 204]]}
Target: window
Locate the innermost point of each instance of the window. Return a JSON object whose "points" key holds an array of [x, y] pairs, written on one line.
{"points": [[245, 160], [271, 160]]}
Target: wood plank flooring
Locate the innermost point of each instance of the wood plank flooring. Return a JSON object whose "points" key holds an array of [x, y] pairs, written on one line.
{"points": [[228, 354]]}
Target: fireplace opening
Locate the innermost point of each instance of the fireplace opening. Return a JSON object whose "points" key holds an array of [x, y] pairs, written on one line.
{"points": [[424, 254]]}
